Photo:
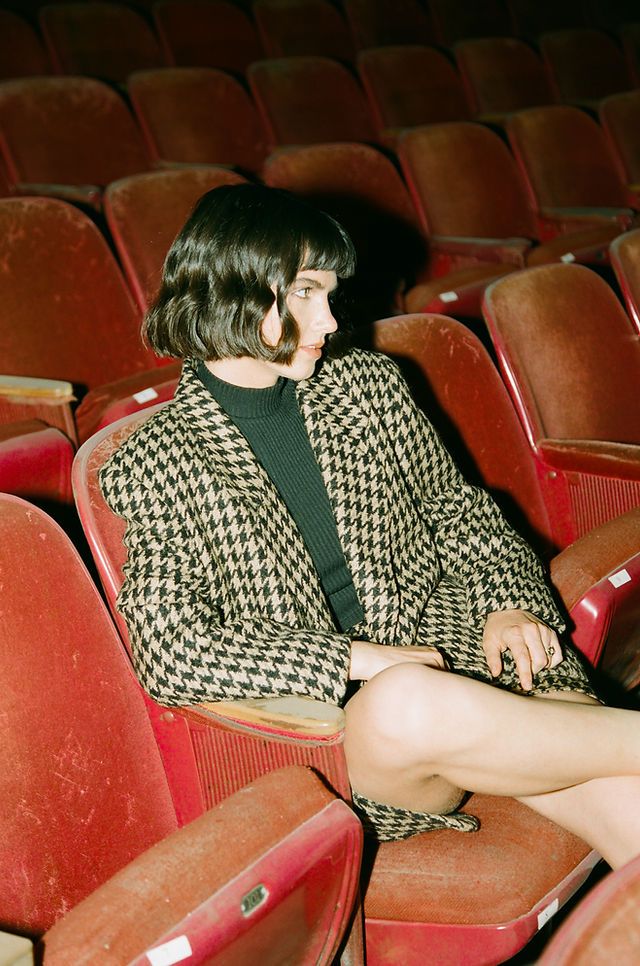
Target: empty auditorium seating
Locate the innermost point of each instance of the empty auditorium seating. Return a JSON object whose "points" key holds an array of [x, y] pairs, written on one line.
{"points": [[620, 120], [502, 74], [563, 156], [22, 53], [469, 193], [67, 136], [68, 315], [455, 20], [398, 267], [197, 115], [625, 259], [144, 214], [35, 462], [206, 33], [85, 792], [309, 100], [410, 85], [571, 360], [376, 23], [436, 894], [104, 40], [299, 27], [584, 65], [530, 18]]}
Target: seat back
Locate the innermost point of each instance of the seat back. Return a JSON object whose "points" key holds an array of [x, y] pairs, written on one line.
{"points": [[197, 115], [629, 34], [105, 40], [583, 64], [22, 53], [146, 211], [530, 18], [376, 23], [411, 85], [464, 182], [206, 33], [83, 790], [455, 20], [502, 74], [620, 120], [309, 100], [568, 353], [564, 158], [625, 259], [362, 189], [71, 317], [289, 28], [67, 130], [454, 380], [35, 462]]}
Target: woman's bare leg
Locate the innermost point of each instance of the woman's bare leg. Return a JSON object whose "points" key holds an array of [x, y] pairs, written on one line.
{"points": [[416, 736]]}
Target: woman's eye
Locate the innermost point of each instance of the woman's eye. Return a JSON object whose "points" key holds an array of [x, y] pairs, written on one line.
{"points": [[302, 293]]}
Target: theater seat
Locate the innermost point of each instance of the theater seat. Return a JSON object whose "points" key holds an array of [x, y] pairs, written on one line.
{"points": [[377, 23], [625, 259], [22, 53], [289, 28], [206, 33], [620, 120], [584, 65], [35, 462]]}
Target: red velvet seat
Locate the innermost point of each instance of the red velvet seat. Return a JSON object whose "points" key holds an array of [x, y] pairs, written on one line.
{"points": [[35, 462], [571, 360], [410, 85], [309, 100], [501, 75], [570, 175], [530, 18], [376, 23], [67, 136], [206, 33], [604, 928], [73, 320], [105, 40], [399, 269], [272, 870], [438, 895], [144, 214], [289, 28], [584, 65], [197, 115], [625, 259], [22, 53], [468, 191], [455, 20], [620, 120]]}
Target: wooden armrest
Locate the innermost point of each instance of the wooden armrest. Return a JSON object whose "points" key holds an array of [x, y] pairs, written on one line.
{"points": [[15, 950], [511, 250], [84, 194], [595, 456], [55, 391], [293, 714]]}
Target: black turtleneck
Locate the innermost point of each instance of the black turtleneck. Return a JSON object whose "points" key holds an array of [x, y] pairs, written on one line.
{"points": [[272, 424]]}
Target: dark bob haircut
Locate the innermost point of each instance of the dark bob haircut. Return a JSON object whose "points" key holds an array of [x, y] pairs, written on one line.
{"points": [[241, 244]]}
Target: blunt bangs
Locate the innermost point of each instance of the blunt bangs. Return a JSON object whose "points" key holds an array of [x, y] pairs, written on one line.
{"points": [[240, 250]]}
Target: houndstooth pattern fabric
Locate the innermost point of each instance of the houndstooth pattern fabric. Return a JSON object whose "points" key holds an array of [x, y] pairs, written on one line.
{"points": [[388, 823]]}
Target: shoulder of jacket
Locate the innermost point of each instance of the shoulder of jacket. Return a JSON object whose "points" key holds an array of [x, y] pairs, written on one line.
{"points": [[359, 368]]}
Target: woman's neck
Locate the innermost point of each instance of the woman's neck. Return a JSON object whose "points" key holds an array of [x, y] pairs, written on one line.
{"points": [[246, 372]]}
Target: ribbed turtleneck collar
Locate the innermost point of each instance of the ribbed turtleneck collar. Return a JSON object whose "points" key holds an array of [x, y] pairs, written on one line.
{"points": [[238, 401]]}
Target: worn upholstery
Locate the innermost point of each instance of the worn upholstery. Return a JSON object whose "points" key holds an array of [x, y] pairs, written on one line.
{"points": [[67, 130], [502, 74], [309, 100], [620, 119], [375, 23], [105, 40], [145, 212], [22, 53], [292, 27], [206, 33], [35, 462], [197, 115], [583, 64], [625, 259]]}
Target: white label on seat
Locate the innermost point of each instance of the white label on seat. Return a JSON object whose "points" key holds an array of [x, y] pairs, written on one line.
{"points": [[620, 578], [448, 296], [175, 951], [546, 914], [145, 395], [568, 257]]}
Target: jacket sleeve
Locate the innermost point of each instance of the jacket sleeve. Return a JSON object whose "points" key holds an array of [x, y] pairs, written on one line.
{"points": [[475, 544], [183, 650]]}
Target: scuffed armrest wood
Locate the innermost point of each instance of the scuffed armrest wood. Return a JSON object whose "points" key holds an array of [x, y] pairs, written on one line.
{"points": [[575, 219], [594, 456], [289, 715], [27, 388], [510, 250]]}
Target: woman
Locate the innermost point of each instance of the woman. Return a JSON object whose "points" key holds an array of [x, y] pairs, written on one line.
{"points": [[294, 525]]}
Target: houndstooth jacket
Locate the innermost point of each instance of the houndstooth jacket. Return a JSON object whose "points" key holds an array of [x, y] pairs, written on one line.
{"points": [[221, 597]]}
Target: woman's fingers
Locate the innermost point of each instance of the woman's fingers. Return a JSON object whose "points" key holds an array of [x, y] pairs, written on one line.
{"points": [[533, 645]]}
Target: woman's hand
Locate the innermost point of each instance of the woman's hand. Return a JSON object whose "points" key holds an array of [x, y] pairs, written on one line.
{"points": [[534, 646], [369, 659]]}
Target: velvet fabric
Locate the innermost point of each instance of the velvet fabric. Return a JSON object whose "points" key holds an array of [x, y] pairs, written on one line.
{"points": [[625, 259], [67, 130], [206, 33], [105, 40], [309, 100], [289, 28], [197, 115], [378, 23], [564, 157], [144, 214], [502, 74], [569, 352], [620, 120], [22, 53], [35, 462], [584, 64]]}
